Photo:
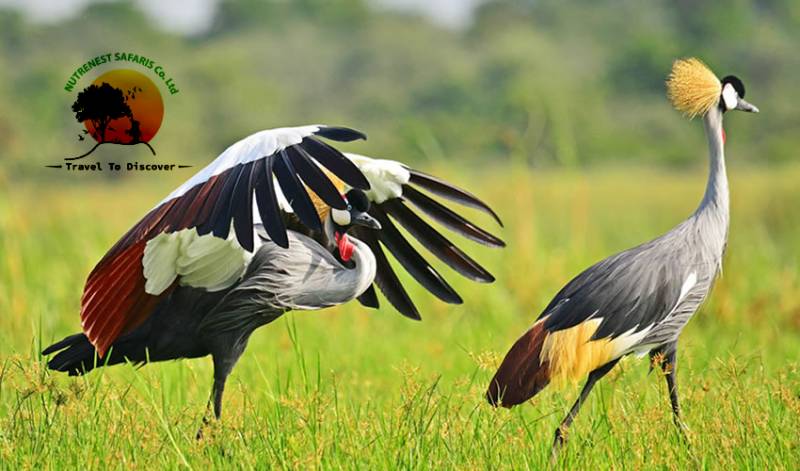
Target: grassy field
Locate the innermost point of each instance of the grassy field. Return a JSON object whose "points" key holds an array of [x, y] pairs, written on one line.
{"points": [[353, 388]]}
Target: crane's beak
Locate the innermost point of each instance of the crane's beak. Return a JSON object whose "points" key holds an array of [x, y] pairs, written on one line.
{"points": [[365, 220], [743, 105]]}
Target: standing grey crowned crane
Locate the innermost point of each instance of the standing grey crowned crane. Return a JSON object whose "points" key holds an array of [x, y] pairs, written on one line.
{"points": [[181, 284], [637, 301]]}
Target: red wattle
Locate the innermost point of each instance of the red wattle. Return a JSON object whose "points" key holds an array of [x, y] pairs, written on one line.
{"points": [[345, 247], [724, 137]]}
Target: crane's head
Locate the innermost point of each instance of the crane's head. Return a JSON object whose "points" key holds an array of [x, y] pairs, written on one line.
{"points": [[341, 220], [694, 90], [336, 222]]}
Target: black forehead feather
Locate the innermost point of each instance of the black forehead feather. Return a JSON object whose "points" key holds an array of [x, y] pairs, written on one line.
{"points": [[358, 199], [736, 83]]}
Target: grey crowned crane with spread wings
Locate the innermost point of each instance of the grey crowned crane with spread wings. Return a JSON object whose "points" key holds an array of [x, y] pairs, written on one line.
{"points": [[637, 301], [280, 221]]}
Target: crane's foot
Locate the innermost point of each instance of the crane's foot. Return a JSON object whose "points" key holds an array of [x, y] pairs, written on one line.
{"points": [[683, 429], [200, 432], [558, 443]]}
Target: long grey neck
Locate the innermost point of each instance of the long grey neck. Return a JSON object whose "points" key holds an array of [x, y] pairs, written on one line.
{"points": [[716, 199], [365, 266], [708, 226]]}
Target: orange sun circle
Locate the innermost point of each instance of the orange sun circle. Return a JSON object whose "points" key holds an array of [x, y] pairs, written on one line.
{"points": [[144, 100]]}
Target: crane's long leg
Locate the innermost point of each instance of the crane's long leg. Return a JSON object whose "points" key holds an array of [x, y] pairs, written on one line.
{"points": [[216, 393], [669, 366], [561, 431], [222, 369], [214, 399]]}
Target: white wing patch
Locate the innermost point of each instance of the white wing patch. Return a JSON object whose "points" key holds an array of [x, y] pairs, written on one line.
{"points": [[252, 147], [688, 284], [386, 177], [200, 261], [158, 262], [628, 342]]}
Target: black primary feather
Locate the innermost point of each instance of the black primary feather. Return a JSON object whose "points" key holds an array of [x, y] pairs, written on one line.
{"points": [[411, 260], [341, 134], [295, 192], [242, 208], [313, 176], [268, 205], [385, 277], [369, 298], [441, 188], [436, 243], [220, 219], [334, 161], [449, 218]]}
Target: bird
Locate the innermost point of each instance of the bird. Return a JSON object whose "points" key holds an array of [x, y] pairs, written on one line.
{"points": [[280, 221], [637, 301]]}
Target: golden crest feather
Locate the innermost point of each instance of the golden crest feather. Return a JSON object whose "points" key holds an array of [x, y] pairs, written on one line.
{"points": [[692, 87], [322, 208]]}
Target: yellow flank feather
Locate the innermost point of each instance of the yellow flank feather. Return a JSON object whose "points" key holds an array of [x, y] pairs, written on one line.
{"points": [[322, 208], [572, 355], [692, 87]]}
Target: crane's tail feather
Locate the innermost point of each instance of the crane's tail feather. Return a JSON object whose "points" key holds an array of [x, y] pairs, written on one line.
{"points": [[77, 356], [522, 373]]}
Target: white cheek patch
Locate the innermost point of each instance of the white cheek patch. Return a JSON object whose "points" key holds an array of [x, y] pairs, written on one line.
{"points": [[729, 96], [340, 217]]}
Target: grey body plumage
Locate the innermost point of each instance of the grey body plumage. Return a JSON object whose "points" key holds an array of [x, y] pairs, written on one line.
{"points": [[303, 277]]}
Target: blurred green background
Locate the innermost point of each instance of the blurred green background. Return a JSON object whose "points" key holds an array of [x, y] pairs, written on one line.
{"points": [[545, 83]]}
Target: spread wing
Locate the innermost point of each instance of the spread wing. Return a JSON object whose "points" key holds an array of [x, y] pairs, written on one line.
{"points": [[396, 191], [187, 237]]}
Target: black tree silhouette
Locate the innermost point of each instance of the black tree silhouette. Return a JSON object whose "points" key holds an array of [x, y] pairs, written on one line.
{"points": [[135, 131], [101, 105]]}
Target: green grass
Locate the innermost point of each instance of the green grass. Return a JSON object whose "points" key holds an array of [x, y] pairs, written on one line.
{"points": [[353, 388]]}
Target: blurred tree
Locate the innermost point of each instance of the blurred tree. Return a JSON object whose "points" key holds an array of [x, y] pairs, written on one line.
{"points": [[540, 82], [12, 30], [234, 16]]}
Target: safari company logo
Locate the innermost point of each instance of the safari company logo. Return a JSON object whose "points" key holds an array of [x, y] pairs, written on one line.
{"points": [[122, 106]]}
